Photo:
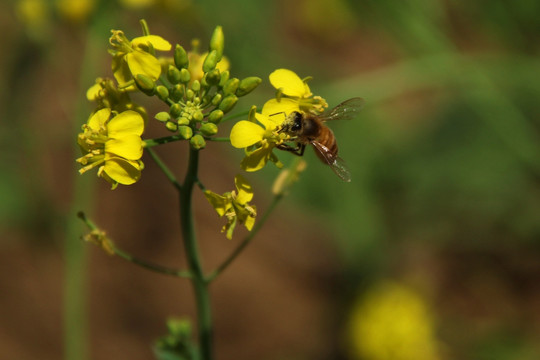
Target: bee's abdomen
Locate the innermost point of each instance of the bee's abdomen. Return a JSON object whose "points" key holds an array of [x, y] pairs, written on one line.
{"points": [[326, 137]]}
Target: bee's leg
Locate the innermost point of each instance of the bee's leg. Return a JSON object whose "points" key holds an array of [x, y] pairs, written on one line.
{"points": [[298, 150]]}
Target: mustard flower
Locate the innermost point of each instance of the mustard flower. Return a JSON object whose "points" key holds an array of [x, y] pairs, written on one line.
{"points": [[393, 321], [259, 136], [234, 206], [114, 145], [293, 94], [107, 95], [131, 58]]}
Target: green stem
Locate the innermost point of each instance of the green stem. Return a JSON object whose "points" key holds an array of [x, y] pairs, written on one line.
{"points": [[168, 173], [200, 285], [151, 266], [148, 143], [218, 139], [246, 240]]}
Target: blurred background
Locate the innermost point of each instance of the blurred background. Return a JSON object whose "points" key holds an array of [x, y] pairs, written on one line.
{"points": [[431, 252]]}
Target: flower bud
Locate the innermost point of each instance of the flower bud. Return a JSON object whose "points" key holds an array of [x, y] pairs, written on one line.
{"points": [[216, 99], [210, 61], [198, 115], [247, 85], [173, 74], [180, 57], [213, 77], [162, 92], [190, 94], [224, 78], [177, 92], [163, 116], [175, 110], [182, 120], [171, 126], [185, 76], [185, 131], [228, 103], [230, 86], [208, 129], [196, 86], [197, 142], [217, 41], [145, 84], [215, 116]]}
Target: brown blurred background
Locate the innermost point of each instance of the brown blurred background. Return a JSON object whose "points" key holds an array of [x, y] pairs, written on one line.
{"points": [[431, 252]]}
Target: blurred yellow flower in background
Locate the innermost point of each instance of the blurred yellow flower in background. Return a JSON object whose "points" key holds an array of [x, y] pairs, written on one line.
{"points": [[392, 322]]}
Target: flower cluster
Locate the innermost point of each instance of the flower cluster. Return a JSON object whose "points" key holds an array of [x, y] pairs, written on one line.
{"points": [[260, 134], [234, 206], [198, 90]]}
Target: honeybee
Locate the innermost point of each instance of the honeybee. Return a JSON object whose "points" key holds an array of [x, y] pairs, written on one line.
{"points": [[307, 129]]}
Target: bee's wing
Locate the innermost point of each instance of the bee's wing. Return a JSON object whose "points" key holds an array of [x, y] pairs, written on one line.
{"points": [[347, 110], [335, 162]]}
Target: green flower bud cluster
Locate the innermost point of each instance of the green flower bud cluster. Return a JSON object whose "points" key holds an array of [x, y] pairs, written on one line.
{"points": [[199, 90]]}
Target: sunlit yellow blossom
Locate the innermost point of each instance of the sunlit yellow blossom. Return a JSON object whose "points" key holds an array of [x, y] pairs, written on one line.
{"points": [[114, 145], [234, 206], [131, 58], [392, 322], [258, 138], [293, 94]]}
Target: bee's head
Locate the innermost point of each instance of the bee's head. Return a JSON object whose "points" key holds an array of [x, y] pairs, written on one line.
{"points": [[292, 124]]}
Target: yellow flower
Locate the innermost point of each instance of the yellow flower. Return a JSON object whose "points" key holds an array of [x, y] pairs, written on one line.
{"points": [[259, 139], [293, 94], [106, 95], [114, 145], [392, 322], [234, 206], [131, 58]]}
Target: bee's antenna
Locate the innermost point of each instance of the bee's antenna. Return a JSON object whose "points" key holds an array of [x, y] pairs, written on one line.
{"points": [[281, 112]]}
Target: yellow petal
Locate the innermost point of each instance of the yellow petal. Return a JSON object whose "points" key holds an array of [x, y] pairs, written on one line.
{"points": [[157, 42], [128, 147], [98, 119], [288, 81], [257, 159], [245, 133], [278, 109], [92, 94], [122, 171], [141, 62], [245, 192], [120, 70], [249, 222], [218, 202], [128, 122]]}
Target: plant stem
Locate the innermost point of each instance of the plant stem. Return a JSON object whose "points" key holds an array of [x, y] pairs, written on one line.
{"points": [[200, 285], [246, 240]]}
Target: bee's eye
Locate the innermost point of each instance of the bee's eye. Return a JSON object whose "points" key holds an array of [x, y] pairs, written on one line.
{"points": [[297, 121]]}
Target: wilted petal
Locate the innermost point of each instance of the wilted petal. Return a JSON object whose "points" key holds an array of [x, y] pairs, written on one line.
{"points": [[218, 202], [245, 191]]}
